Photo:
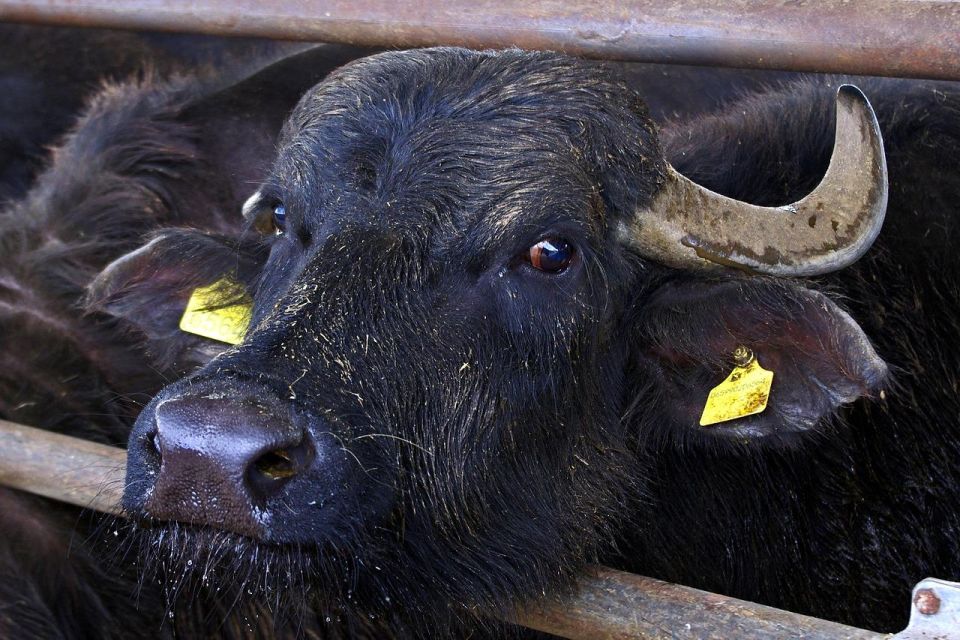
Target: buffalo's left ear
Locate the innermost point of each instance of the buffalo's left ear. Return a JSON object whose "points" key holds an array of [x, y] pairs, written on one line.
{"points": [[147, 290], [690, 329]]}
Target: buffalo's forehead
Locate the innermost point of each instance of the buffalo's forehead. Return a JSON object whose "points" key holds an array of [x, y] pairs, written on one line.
{"points": [[445, 140]]}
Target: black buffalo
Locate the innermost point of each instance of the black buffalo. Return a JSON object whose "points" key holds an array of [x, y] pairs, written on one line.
{"points": [[466, 378], [47, 74], [148, 152]]}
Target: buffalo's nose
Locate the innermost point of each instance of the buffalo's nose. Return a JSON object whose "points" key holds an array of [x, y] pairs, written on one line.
{"points": [[224, 462]]}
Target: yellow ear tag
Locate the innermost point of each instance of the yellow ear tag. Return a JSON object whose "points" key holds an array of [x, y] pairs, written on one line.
{"points": [[207, 316], [745, 392]]}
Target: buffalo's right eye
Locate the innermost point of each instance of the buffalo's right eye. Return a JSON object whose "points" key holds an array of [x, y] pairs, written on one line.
{"points": [[279, 219]]}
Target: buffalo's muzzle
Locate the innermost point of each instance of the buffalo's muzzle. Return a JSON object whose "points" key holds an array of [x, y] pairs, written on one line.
{"points": [[221, 460]]}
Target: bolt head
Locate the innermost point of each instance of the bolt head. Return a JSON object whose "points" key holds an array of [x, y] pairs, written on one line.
{"points": [[742, 356], [927, 602]]}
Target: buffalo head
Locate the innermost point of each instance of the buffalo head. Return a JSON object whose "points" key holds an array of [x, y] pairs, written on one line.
{"points": [[478, 288]]}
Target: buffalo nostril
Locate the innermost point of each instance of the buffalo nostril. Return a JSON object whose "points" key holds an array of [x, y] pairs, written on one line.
{"points": [[154, 443], [276, 465], [271, 471]]}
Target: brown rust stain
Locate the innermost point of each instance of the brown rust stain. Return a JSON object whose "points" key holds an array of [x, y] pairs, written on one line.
{"points": [[755, 400]]}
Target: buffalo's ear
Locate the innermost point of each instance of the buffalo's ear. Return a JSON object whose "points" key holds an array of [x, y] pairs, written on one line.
{"points": [[820, 357], [147, 290]]}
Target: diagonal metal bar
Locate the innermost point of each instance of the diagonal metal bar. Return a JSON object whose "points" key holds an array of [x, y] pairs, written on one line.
{"points": [[52, 465], [606, 603]]}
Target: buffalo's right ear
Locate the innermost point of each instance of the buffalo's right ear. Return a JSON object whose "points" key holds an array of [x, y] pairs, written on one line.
{"points": [[147, 290]]}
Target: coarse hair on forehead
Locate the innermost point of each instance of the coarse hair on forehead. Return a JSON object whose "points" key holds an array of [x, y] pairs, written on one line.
{"points": [[514, 100], [453, 82]]}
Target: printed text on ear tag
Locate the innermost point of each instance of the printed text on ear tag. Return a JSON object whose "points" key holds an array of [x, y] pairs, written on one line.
{"points": [[745, 392], [213, 312]]}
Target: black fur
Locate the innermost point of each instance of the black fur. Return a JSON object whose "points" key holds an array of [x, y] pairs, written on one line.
{"points": [[48, 73]]}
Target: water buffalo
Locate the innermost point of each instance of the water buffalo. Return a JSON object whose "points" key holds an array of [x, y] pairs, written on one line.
{"points": [[147, 153], [487, 314]]}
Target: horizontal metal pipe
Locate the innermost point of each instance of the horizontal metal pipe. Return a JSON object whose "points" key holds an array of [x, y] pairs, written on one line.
{"points": [[920, 38], [868, 37], [606, 603]]}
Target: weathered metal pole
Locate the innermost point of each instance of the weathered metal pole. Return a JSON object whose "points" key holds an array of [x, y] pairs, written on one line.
{"points": [[67, 469], [920, 38], [613, 605], [607, 604]]}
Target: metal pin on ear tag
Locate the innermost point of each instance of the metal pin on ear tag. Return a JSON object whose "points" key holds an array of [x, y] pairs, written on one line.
{"points": [[744, 392]]}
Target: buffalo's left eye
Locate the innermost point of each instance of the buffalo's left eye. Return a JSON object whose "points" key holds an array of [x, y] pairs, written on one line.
{"points": [[279, 219], [552, 255]]}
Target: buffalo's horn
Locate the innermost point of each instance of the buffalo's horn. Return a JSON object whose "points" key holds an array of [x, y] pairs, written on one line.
{"points": [[689, 226]]}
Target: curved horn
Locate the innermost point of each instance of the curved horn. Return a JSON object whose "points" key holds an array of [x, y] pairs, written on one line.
{"points": [[689, 226]]}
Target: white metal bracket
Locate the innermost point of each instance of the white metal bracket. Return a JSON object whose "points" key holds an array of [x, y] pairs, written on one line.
{"points": [[935, 612]]}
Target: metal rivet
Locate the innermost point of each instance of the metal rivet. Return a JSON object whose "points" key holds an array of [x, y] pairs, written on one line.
{"points": [[742, 356], [927, 602]]}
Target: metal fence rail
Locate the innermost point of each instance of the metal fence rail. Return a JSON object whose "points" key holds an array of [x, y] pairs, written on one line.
{"points": [[607, 603], [915, 38]]}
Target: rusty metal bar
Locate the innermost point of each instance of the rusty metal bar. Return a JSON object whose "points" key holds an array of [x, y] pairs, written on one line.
{"points": [[68, 469], [916, 38], [608, 604], [614, 605]]}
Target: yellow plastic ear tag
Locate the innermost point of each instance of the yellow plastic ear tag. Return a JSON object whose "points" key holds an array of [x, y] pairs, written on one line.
{"points": [[745, 392], [206, 316]]}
